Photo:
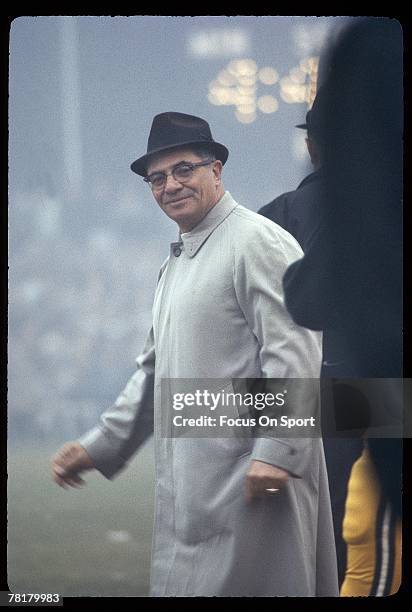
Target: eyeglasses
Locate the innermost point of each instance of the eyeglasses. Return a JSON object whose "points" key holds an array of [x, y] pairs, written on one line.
{"points": [[182, 173]]}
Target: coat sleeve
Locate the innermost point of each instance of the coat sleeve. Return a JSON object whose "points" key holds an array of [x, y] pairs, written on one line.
{"points": [[129, 422], [313, 299], [286, 349]]}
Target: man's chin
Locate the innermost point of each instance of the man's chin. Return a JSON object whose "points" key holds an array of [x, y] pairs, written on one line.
{"points": [[185, 220], [176, 212]]}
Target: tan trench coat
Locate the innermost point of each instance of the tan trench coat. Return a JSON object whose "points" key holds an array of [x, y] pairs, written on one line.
{"points": [[219, 313]]}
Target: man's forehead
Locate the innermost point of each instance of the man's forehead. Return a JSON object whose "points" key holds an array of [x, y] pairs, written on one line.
{"points": [[162, 161]]}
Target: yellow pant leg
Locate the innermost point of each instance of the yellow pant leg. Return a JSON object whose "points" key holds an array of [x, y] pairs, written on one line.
{"points": [[372, 535]]}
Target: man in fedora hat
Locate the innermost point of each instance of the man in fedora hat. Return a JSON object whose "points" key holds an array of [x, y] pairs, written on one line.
{"points": [[235, 515], [298, 211]]}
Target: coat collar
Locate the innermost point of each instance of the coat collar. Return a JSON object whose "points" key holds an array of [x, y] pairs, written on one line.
{"points": [[311, 178], [194, 239]]}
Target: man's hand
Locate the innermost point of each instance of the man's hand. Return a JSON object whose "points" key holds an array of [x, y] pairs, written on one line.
{"points": [[261, 476], [68, 463]]}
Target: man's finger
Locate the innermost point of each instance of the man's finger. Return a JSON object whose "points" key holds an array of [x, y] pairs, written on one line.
{"points": [[63, 476], [251, 490], [258, 487], [248, 493], [75, 480], [59, 481], [59, 470], [69, 482], [74, 483]]}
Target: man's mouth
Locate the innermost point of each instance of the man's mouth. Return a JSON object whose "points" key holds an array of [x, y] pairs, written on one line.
{"points": [[176, 201]]}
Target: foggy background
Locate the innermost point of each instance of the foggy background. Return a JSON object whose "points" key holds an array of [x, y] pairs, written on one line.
{"points": [[86, 240]]}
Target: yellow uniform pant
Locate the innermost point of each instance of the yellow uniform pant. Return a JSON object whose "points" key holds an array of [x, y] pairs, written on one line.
{"points": [[373, 536]]}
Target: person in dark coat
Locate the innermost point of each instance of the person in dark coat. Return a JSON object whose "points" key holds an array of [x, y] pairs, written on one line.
{"points": [[351, 274], [349, 282], [299, 212]]}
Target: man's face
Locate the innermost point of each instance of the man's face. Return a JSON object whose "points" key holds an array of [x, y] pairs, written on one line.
{"points": [[187, 203]]}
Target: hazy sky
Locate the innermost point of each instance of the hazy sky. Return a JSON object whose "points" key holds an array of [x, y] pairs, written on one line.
{"points": [[84, 90]]}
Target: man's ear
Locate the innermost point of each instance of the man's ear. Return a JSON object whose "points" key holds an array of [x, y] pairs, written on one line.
{"points": [[313, 151], [217, 170]]}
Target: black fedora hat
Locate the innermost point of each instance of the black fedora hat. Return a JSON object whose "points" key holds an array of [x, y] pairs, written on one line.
{"points": [[172, 130]]}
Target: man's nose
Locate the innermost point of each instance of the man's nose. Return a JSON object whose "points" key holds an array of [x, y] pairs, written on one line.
{"points": [[172, 184]]}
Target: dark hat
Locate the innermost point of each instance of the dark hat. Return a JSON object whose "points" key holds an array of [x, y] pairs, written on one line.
{"points": [[173, 130]]}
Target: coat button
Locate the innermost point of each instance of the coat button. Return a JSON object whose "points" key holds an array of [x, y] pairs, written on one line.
{"points": [[177, 251]]}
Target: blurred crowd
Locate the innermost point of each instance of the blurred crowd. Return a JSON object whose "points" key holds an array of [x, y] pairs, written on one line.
{"points": [[79, 309]]}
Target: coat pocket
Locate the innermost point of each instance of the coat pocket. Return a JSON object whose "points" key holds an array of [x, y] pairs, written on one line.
{"points": [[208, 479]]}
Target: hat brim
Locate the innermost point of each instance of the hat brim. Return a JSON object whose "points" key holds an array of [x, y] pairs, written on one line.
{"points": [[302, 126], [222, 153]]}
